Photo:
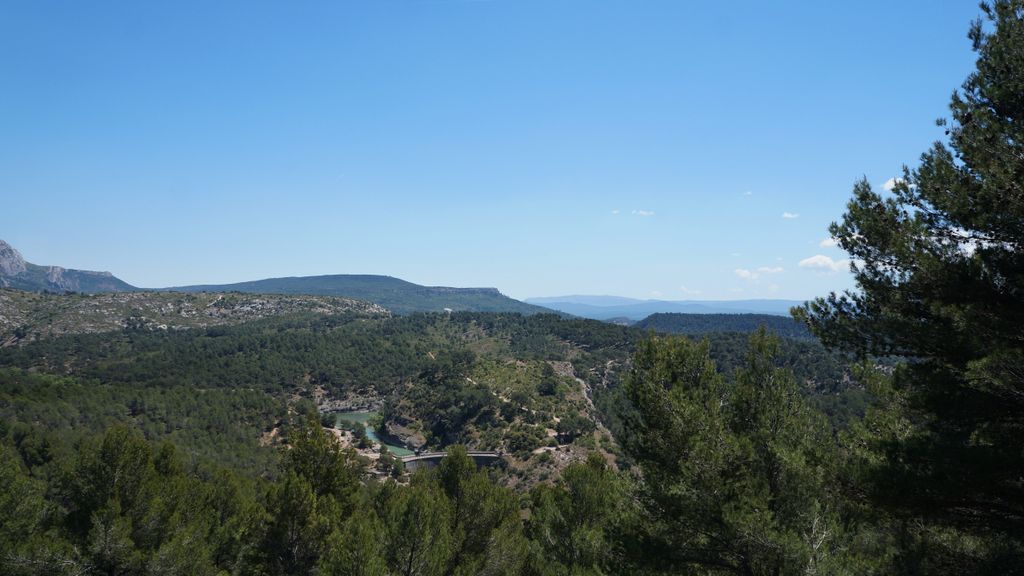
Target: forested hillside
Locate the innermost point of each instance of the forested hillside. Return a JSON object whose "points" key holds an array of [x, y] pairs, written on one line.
{"points": [[503, 382], [697, 324]]}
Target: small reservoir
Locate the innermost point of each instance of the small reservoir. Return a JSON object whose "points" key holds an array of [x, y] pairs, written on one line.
{"points": [[362, 419]]}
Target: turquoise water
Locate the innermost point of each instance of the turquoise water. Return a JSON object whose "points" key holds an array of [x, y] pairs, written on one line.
{"points": [[354, 417], [363, 418], [399, 451]]}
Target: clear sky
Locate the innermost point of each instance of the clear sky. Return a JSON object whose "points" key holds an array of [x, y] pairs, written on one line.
{"points": [[644, 148]]}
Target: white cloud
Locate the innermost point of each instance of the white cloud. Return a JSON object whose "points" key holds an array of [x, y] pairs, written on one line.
{"points": [[643, 212], [689, 292], [891, 183], [790, 215], [736, 290], [824, 263], [748, 193], [656, 293], [754, 275], [735, 254], [828, 243], [616, 211]]}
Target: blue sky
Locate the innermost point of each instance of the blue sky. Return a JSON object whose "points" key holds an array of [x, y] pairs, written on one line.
{"points": [[641, 148]]}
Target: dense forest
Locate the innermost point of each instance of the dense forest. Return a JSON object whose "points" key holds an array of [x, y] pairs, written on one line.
{"points": [[109, 500], [891, 444]]}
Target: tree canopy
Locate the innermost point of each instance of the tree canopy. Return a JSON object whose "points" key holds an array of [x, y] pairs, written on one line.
{"points": [[939, 269]]}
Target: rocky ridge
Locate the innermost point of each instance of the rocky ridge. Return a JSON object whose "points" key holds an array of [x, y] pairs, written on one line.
{"points": [[16, 272]]}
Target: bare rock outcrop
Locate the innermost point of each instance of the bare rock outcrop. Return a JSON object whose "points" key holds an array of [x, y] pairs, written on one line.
{"points": [[11, 262]]}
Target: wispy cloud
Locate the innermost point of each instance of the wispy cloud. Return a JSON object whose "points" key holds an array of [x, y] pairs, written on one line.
{"points": [[754, 275], [828, 243], [823, 263], [748, 193], [656, 293], [689, 292], [790, 215], [616, 211], [643, 212]]}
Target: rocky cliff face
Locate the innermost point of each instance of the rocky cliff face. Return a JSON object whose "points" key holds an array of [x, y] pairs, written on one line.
{"points": [[15, 272], [11, 262]]}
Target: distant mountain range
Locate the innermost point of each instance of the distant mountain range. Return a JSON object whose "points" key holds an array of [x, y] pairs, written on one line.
{"points": [[398, 296], [617, 307]]}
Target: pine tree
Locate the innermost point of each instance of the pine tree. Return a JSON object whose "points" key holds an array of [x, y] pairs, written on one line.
{"points": [[737, 476], [939, 267], [576, 523]]}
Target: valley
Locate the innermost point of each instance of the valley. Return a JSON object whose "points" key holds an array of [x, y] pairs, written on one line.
{"points": [[761, 339], [543, 390]]}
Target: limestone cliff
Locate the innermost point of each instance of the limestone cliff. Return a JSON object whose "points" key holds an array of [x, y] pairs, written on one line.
{"points": [[15, 272]]}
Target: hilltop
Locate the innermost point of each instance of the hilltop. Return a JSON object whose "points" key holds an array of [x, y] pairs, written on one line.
{"points": [[397, 295]]}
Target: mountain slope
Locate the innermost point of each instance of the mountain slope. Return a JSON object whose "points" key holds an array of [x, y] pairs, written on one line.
{"points": [[15, 272], [398, 296]]}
